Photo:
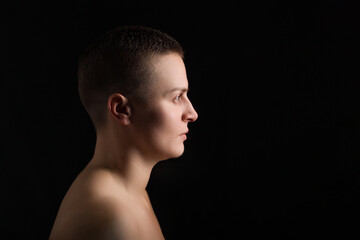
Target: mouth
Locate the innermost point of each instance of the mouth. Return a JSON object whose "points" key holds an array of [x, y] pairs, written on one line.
{"points": [[184, 134]]}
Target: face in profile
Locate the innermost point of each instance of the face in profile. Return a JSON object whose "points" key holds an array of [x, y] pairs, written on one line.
{"points": [[161, 123]]}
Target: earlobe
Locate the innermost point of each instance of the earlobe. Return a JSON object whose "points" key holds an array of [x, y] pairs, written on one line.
{"points": [[119, 108]]}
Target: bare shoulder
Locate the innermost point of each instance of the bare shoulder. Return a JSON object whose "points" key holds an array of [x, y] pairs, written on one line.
{"points": [[92, 210], [103, 219]]}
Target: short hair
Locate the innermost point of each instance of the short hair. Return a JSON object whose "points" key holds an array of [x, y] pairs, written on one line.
{"points": [[118, 62]]}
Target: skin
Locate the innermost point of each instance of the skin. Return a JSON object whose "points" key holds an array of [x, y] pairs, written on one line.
{"points": [[108, 199]]}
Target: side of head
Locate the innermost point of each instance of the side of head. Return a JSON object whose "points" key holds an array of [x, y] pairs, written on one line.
{"points": [[134, 79], [120, 62]]}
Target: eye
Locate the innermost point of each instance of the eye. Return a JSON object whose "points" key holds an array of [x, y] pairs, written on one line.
{"points": [[178, 97]]}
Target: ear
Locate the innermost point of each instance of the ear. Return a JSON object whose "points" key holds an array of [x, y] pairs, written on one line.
{"points": [[118, 106]]}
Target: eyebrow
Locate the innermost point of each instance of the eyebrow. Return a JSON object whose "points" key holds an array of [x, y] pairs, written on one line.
{"points": [[177, 89]]}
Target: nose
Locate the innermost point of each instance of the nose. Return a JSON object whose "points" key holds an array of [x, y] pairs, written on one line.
{"points": [[190, 115]]}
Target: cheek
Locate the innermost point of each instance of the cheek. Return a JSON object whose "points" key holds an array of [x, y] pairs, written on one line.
{"points": [[167, 121], [167, 139], [166, 129], [160, 129]]}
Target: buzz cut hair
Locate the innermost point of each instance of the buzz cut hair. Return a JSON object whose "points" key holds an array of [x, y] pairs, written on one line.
{"points": [[119, 62]]}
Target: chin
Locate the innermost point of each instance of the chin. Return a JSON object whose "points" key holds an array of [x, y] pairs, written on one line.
{"points": [[175, 152], [178, 154], [179, 151]]}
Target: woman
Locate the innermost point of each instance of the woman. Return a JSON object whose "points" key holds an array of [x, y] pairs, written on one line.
{"points": [[133, 84]]}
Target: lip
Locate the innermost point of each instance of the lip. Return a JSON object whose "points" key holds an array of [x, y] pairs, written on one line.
{"points": [[184, 133]]}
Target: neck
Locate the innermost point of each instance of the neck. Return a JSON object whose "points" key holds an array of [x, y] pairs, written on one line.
{"points": [[125, 162]]}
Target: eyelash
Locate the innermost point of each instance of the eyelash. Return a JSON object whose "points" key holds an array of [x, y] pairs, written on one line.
{"points": [[178, 97]]}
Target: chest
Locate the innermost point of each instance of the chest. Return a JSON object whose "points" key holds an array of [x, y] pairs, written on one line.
{"points": [[147, 222]]}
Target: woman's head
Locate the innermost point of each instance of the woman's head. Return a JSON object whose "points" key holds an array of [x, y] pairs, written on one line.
{"points": [[120, 62], [140, 88]]}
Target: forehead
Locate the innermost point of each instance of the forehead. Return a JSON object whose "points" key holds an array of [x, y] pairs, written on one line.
{"points": [[169, 72]]}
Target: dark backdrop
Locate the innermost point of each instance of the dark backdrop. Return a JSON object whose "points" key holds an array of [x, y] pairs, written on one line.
{"points": [[273, 155]]}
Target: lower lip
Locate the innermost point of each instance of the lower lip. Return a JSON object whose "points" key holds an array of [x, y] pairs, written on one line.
{"points": [[184, 136]]}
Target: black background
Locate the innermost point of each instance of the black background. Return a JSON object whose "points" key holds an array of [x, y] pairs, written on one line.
{"points": [[273, 155]]}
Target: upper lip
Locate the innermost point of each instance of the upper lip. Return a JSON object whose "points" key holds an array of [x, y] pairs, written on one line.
{"points": [[187, 130]]}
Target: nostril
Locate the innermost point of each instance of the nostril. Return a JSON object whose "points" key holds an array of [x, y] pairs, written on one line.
{"points": [[193, 117]]}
